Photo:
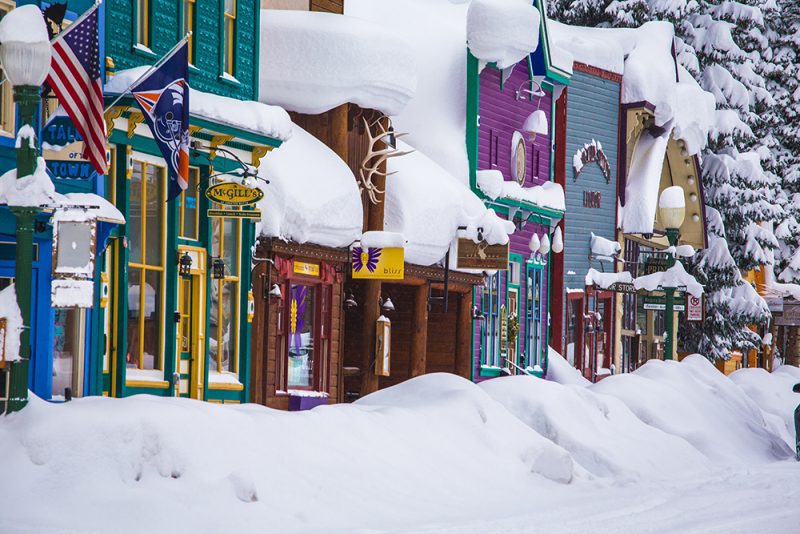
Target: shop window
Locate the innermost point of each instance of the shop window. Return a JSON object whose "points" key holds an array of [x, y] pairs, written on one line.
{"points": [[146, 244], [307, 336], [142, 22], [225, 294], [68, 352], [490, 335], [188, 212], [574, 322], [188, 25], [229, 36], [7, 110], [535, 345]]}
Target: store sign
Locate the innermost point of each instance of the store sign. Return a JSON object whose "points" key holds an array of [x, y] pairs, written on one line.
{"points": [[309, 269], [660, 303], [591, 199], [481, 256], [694, 311], [622, 287], [235, 214], [377, 263], [654, 264], [234, 194], [62, 149]]}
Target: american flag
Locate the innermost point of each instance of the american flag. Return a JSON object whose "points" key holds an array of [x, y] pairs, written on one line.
{"points": [[75, 78]]}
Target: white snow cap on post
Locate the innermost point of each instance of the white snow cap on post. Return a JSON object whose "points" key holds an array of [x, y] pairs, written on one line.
{"points": [[24, 24], [312, 62], [503, 32], [603, 248], [674, 277]]}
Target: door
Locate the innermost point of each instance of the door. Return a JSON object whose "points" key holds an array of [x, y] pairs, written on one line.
{"points": [[535, 314], [191, 318], [513, 313]]}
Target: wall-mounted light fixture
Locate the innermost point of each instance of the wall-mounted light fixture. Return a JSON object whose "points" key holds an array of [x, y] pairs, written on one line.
{"points": [[535, 90], [185, 265], [218, 268], [350, 302], [387, 305], [275, 292]]}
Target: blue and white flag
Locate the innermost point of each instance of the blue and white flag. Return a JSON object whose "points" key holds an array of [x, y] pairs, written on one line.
{"points": [[163, 96]]}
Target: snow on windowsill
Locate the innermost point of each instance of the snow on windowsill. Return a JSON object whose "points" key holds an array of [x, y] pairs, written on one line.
{"points": [[302, 393], [216, 377], [547, 195], [144, 375], [139, 47]]}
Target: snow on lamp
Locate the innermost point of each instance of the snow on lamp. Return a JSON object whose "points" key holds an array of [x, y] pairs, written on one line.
{"points": [[536, 123], [672, 207], [544, 247], [25, 51], [558, 241]]}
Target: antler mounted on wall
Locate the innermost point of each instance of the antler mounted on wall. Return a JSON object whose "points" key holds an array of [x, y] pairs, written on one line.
{"points": [[378, 131]]}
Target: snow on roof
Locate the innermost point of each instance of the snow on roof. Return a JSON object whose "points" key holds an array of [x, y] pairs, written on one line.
{"points": [[644, 176], [312, 62], [255, 117], [91, 206], [312, 196], [547, 195], [420, 192], [605, 280], [603, 248], [591, 46], [676, 277], [435, 118], [502, 31]]}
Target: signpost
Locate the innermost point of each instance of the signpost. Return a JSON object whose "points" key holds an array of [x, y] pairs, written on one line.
{"points": [[482, 256], [659, 303]]}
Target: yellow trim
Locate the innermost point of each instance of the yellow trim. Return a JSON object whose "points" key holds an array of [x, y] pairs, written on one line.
{"points": [[259, 151], [229, 27], [188, 26], [225, 387], [153, 384], [134, 119], [197, 317], [234, 281], [144, 15], [111, 115]]}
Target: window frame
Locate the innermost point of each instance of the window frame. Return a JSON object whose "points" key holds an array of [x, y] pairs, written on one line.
{"points": [[534, 315], [236, 282], [188, 24], [182, 207], [490, 307], [228, 39], [144, 33], [143, 267]]}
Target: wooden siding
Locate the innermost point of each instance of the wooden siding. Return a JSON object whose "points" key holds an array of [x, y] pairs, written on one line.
{"points": [[501, 114], [593, 108], [329, 6], [164, 33]]}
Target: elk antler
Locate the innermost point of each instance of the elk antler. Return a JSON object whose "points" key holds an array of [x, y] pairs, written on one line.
{"points": [[376, 157]]}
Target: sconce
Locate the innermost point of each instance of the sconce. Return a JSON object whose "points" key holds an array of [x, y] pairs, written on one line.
{"points": [[185, 265], [536, 123], [276, 292], [218, 268], [533, 92], [350, 301], [477, 314], [387, 305]]}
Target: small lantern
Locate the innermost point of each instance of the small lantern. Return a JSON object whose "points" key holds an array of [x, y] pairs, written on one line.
{"points": [[218, 269], [536, 123], [276, 292], [387, 305], [350, 301], [185, 265]]}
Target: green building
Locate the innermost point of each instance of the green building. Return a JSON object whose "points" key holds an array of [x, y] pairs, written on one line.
{"points": [[176, 315]]}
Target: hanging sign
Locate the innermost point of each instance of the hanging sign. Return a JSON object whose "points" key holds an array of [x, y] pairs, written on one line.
{"points": [[694, 311], [482, 256], [659, 303], [234, 194], [377, 263], [62, 149], [622, 287], [236, 214]]}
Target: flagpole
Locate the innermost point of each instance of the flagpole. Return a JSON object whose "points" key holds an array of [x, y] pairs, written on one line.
{"points": [[154, 66], [75, 22]]}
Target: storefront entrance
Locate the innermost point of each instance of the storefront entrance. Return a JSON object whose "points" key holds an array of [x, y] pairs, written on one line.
{"points": [[191, 318]]}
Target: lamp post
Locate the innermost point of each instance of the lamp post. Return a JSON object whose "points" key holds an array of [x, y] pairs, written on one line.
{"points": [[25, 54], [672, 210]]}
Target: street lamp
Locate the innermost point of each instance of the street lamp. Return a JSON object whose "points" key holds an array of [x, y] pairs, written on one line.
{"points": [[672, 210], [25, 54]]}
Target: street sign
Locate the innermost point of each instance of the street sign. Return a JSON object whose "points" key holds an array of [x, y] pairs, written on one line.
{"points": [[234, 194], [481, 255], [622, 287], [694, 311], [236, 214], [659, 303]]}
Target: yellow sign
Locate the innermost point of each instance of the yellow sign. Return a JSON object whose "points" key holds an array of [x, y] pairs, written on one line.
{"points": [[311, 269], [377, 263], [234, 194]]}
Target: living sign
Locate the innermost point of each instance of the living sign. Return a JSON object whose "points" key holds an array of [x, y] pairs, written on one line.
{"points": [[591, 152], [234, 194]]}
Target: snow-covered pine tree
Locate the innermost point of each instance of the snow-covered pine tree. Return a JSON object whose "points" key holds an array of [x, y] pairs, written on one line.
{"points": [[579, 12]]}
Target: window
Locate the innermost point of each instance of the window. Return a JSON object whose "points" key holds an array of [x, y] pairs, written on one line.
{"points": [[535, 345], [142, 30], [68, 351], [306, 341], [490, 335], [229, 36], [7, 111], [189, 25], [146, 244], [188, 213], [223, 339]]}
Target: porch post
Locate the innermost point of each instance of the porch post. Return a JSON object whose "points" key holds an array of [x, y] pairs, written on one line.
{"points": [[463, 333], [419, 331]]}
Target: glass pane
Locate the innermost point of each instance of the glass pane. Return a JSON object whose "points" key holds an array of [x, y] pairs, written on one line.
{"points": [[134, 216], [231, 235], [301, 336], [228, 57], [216, 224], [228, 331], [152, 320], [134, 346], [213, 334], [155, 206], [66, 350], [141, 34], [189, 202], [230, 5]]}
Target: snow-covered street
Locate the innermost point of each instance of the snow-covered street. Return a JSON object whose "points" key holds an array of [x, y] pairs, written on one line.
{"points": [[672, 447]]}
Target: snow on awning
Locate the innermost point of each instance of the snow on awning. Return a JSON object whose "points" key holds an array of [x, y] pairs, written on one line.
{"points": [[605, 280], [421, 193], [604, 249], [644, 177], [312, 62], [312, 196], [503, 32], [547, 195], [675, 277], [255, 117]]}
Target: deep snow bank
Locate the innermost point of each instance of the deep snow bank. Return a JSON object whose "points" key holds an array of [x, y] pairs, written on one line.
{"points": [[772, 392]]}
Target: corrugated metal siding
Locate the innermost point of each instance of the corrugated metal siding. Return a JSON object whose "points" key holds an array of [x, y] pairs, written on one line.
{"points": [[592, 113]]}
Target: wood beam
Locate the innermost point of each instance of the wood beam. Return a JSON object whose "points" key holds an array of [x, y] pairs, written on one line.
{"points": [[463, 336], [419, 332]]}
